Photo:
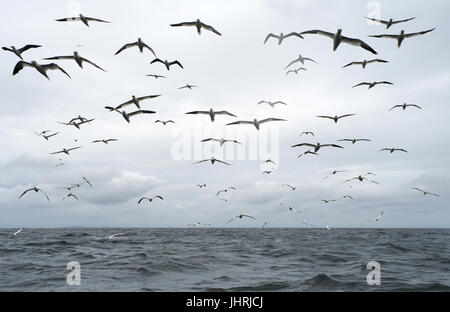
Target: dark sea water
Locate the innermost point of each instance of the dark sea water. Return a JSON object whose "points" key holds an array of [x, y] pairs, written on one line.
{"points": [[202, 259]]}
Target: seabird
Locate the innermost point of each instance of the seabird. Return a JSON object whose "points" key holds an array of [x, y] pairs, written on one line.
{"points": [[281, 37], [240, 217], [19, 52], [306, 133], [36, 189], [66, 150], [379, 217], [126, 115], [41, 68], [81, 18], [326, 201], [165, 122], [149, 198], [365, 62], [77, 59], [201, 185], [116, 234], [290, 186], [188, 86], [199, 25], [336, 118], [306, 222], [424, 192], [317, 146], [389, 22], [263, 226], [71, 195], [300, 59], [327, 227], [87, 181], [49, 136], [295, 70], [361, 178], [17, 232], [226, 190], [255, 122], [334, 172], [136, 100], [372, 84], [269, 161], [353, 140], [106, 141], [348, 196], [272, 104], [43, 132], [167, 63], [391, 150], [404, 106], [267, 172], [400, 37], [221, 141], [194, 224], [211, 113], [156, 76], [338, 38], [306, 153], [290, 208], [139, 43], [212, 160]]}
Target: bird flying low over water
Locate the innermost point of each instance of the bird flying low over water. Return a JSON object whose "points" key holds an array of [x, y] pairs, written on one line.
{"points": [[354, 140], [41, 68], [77, 59], [221, 141], [198, 25], [17, 232], [295, 70], [336, 118], [167, 63], [240, 217], [365, 62], [389, 22], [106, 141], [66, 150], [372, 84], [424, 192], [282, 36], [327, 227], [404, 106], [212, 160], [391, 150], [300, 59], [164, 122], [149, 198], [338, 38], [115, 235], [255, 122], [317, 146], [19, 52], [126, 115], [400, 37], [37, 190], [212, 114], [139, 43], [272, 104], [290, 208], [136, 100], [379, 216]]}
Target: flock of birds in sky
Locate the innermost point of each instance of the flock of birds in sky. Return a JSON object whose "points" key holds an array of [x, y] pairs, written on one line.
{"points": [[136, 102]]}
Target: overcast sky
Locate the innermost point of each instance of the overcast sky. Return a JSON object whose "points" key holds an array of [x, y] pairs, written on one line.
{"points": [[234, 72]]}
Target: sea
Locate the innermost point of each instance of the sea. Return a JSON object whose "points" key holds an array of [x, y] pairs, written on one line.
{"points": [[225, 259]]}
